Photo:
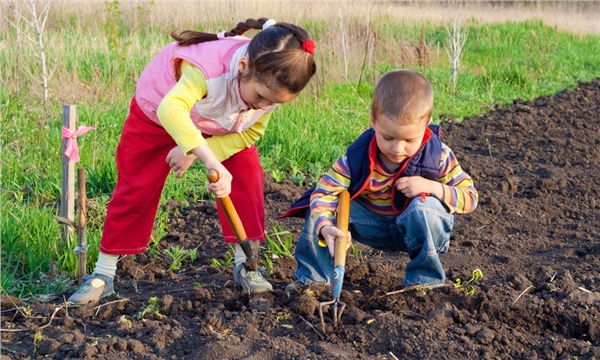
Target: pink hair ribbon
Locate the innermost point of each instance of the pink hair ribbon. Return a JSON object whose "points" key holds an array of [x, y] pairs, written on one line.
{"points": [[72, 150]]}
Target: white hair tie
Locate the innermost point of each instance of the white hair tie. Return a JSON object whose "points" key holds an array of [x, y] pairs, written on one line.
{"points": [[221, 35], [269, 23]]}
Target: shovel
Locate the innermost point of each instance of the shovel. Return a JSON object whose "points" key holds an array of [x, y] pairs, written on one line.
{"points": [[339, 261], [234, 221]]}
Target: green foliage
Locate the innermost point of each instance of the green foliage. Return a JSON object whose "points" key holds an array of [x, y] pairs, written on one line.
{"points": [[120, 36], [467, 287], [228, 259], [32, 247], [357, 253], [279, 242], [150, 311], [177, 255]]}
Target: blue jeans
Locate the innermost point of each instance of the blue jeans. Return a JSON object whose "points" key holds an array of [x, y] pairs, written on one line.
{"points": [[422, 231]]}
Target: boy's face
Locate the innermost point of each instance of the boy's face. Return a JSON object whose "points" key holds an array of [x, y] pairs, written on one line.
{"points": [[397, 141]]}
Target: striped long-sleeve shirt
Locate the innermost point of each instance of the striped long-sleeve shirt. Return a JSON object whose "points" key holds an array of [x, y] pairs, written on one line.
{"points": [[460, 195]]}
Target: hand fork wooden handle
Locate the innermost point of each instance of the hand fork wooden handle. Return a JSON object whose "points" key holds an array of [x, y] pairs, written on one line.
{"points": [[339, 260], [235, 222]]}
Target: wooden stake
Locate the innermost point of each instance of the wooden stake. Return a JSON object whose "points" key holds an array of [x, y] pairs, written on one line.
{"points": [[81, 240], [67, 200]]}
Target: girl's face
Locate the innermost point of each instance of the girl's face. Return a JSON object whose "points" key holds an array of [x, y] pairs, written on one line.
{"points": [[397, 141], [257, 95]]}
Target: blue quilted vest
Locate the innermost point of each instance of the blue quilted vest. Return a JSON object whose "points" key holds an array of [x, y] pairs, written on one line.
{"points": [[362, 155]]}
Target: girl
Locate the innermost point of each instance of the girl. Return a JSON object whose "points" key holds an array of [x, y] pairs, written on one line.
{"points": [[205, 96]]}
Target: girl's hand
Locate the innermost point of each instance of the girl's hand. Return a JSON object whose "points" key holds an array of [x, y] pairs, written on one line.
{"points": [[179, 162], [222, 187], [413, 186], [330, 233]]}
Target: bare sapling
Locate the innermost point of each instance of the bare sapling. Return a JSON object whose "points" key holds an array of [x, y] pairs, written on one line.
{"points": [[37, 23], [370, 43], [454, 46], [343, 38]]}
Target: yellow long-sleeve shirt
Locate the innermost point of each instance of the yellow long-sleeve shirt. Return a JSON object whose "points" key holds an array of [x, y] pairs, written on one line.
{"points": [[174, 114]]}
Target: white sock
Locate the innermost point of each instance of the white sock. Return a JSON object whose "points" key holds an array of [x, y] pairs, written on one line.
{"points": [[106, 264], [239, 255]]}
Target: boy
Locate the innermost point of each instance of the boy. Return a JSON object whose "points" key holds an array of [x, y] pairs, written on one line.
{"points": [[405, 186]]}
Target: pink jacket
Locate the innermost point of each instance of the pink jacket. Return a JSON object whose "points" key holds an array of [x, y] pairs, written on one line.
{"points": [[223, 110]]}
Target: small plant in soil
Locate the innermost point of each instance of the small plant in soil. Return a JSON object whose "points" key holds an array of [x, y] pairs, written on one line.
{"points": [[177, 255], [229, 259], [124, 320], [489, 146], [37, 339], [150, 310], [467, 287], [357, 253], [277, 175], [279, 243]]}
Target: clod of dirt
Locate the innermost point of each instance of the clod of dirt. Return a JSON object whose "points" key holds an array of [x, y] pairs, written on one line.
{"points": [[485, 336], [10, 302], [251, 264], [354, 315], [259, 304], [357, 273], [442, 316], [520, 282], [305, 305]]}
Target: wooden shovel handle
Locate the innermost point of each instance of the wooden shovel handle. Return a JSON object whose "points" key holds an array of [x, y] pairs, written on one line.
{"points": [[232, 215], [341, 243]]}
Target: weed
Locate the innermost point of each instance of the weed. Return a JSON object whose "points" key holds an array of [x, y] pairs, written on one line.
{"points": [[279, 242], [177, 255], [229, 259], [467, 287], [26, 310], [281, 318], [37, 339], [123, 320], [150, 310], [298, 179], [357, 253], [277, 175], [489, 146]]}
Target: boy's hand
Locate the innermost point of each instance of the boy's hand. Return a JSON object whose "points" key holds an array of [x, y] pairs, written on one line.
{"points": [[413, 186], [329, 234], [179, 162]]}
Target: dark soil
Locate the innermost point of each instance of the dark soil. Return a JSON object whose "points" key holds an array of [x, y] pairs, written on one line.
{"points": [[535, 237]]}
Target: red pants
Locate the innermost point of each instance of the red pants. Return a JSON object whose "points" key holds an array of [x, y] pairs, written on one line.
{"points": [[142, 172]]}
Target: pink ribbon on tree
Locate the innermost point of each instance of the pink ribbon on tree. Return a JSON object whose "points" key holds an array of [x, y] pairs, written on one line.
{"points": [[72, 150]]}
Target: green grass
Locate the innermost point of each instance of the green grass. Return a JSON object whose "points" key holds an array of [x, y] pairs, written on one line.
{"points": [[500, 63]]}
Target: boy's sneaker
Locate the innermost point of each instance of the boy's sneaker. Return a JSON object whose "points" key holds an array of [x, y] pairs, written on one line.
{"points": [[253, 282], [95, 287]]}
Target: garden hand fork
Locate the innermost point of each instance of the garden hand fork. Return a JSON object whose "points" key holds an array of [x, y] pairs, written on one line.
{"points": [[339, 260]]}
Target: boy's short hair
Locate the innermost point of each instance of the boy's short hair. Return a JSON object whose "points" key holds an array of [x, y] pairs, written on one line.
{"points": [[403, 95]]}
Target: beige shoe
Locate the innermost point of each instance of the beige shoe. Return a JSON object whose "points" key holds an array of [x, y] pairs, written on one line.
{"points": [[253, 282], [95, 287]]}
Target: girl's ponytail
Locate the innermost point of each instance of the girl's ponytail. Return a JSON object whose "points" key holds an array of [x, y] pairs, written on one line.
{"points": [[191, 37], [280, 56]]}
